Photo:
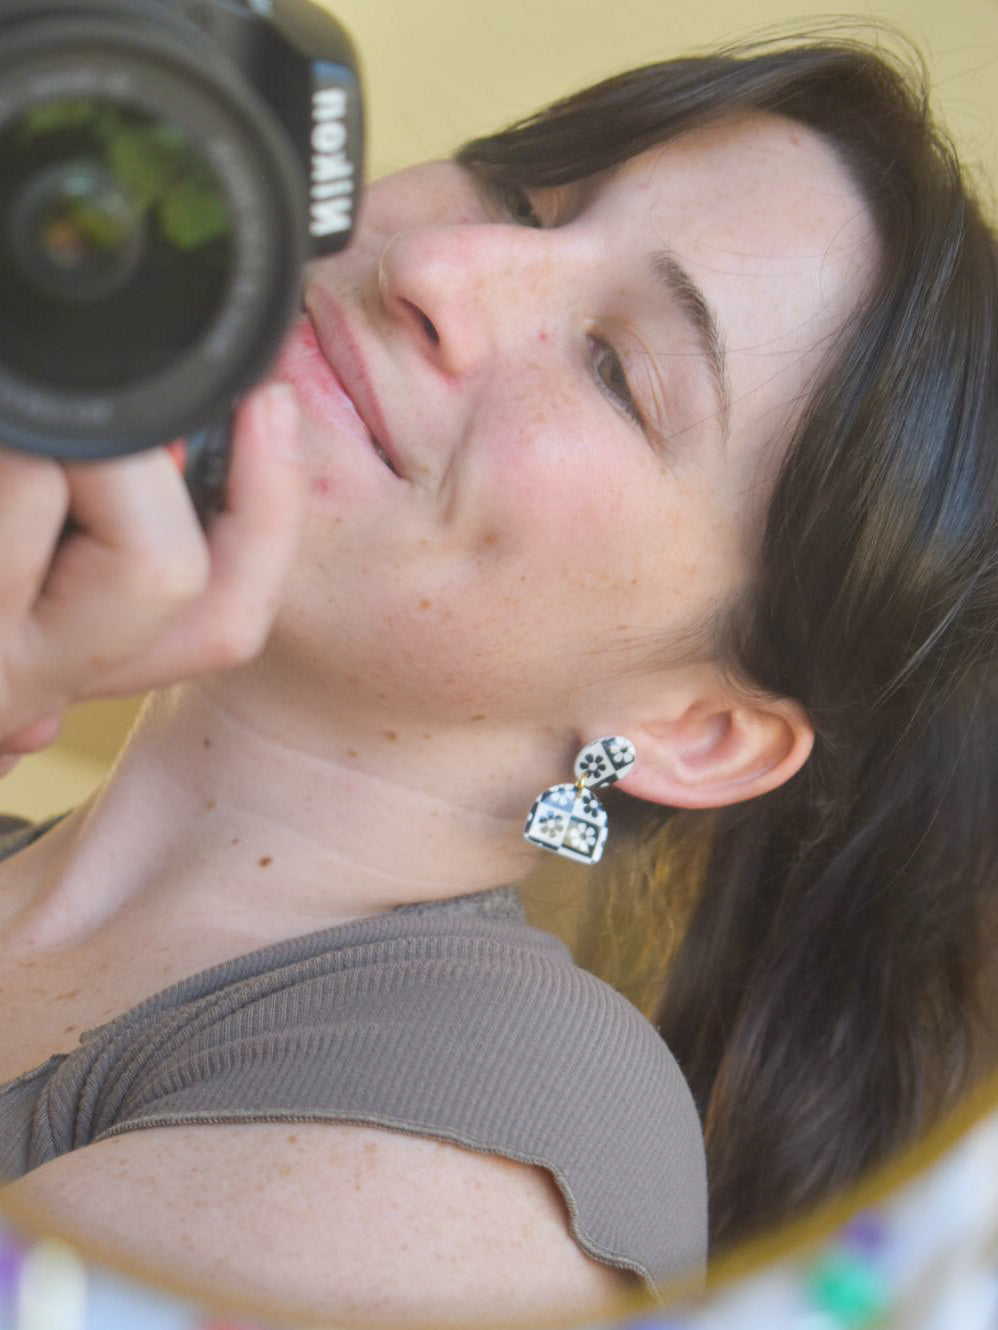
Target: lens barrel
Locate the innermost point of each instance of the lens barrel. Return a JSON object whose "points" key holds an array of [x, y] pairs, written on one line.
{"points": [[152, 234]]}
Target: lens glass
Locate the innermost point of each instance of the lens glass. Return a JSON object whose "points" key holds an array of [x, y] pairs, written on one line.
{"points": [[116, 244]]}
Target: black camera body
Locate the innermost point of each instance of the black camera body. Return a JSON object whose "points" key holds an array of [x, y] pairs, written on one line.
{"points": [[166, 168]]}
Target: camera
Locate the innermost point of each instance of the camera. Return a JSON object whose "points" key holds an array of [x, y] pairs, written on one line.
{"points": [[166, 169]]}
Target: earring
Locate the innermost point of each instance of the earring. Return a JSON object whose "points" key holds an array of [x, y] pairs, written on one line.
{"points": [[568, 819]]}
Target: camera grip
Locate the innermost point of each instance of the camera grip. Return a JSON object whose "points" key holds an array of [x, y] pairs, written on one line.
{"points": [[206, 468], [203, 459]]}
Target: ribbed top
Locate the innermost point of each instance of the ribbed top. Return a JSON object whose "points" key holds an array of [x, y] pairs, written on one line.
{"points": [[455, 1020]]}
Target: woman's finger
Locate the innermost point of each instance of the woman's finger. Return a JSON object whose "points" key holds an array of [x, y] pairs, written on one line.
{"points": [[137, 560], [251, 545], [35, 500], [30, 738]]}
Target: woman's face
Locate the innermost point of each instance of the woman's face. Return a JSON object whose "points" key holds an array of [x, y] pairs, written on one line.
{"points": [[583, 414]]}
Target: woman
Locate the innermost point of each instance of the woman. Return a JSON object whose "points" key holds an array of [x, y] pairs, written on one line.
{"points": [[663, 415]]}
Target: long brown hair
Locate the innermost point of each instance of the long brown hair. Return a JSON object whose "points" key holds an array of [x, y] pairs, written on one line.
{"points": [[824, 995]]}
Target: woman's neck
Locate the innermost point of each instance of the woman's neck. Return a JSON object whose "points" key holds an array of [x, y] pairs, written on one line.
{"points": [[230, 804]]}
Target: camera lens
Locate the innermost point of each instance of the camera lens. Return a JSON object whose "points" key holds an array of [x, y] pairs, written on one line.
{"points": [[75, 232], [152, 228], [116, 243]]}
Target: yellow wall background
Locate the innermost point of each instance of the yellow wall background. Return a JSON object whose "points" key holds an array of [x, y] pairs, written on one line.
{"points": [[438, 71]]}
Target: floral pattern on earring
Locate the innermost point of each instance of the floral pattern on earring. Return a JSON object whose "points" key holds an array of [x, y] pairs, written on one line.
{"points": [[568, 819]]}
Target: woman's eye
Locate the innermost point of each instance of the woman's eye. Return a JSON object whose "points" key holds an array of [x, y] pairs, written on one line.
{"points": [[517, 206], [612, 378]]}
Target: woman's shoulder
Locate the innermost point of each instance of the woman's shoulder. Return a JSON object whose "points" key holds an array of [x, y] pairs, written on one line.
{"points": [[465, 1027], [358, 1223], [482, 1032], [524, 986]]}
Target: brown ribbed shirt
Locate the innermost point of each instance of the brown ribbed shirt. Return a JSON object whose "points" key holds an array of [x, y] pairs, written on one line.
{"points": [[454, 1020]]}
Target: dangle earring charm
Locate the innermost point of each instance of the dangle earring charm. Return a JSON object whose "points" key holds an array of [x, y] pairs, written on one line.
{"points": [[568, 819]]}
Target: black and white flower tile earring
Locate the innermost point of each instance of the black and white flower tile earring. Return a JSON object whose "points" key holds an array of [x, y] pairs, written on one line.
{"points": [[568, 819]]}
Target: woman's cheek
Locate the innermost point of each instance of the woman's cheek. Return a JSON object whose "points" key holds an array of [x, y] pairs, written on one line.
{"points": [[552, 494]]}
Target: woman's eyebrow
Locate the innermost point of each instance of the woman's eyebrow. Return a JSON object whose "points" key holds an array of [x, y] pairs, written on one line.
{"points": [[678, 283]]}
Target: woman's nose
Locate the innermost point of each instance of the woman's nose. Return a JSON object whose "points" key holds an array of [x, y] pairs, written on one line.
{"points": [[459, 291]]}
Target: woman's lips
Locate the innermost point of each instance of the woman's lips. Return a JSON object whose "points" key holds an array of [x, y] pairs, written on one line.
{"points": [[303, 364]]}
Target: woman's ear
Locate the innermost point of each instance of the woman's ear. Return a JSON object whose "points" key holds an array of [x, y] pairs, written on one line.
{"points": [[716, 755]]}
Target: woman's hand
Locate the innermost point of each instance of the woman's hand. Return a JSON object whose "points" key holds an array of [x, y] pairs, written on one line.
{"points": [[138, 596]]}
